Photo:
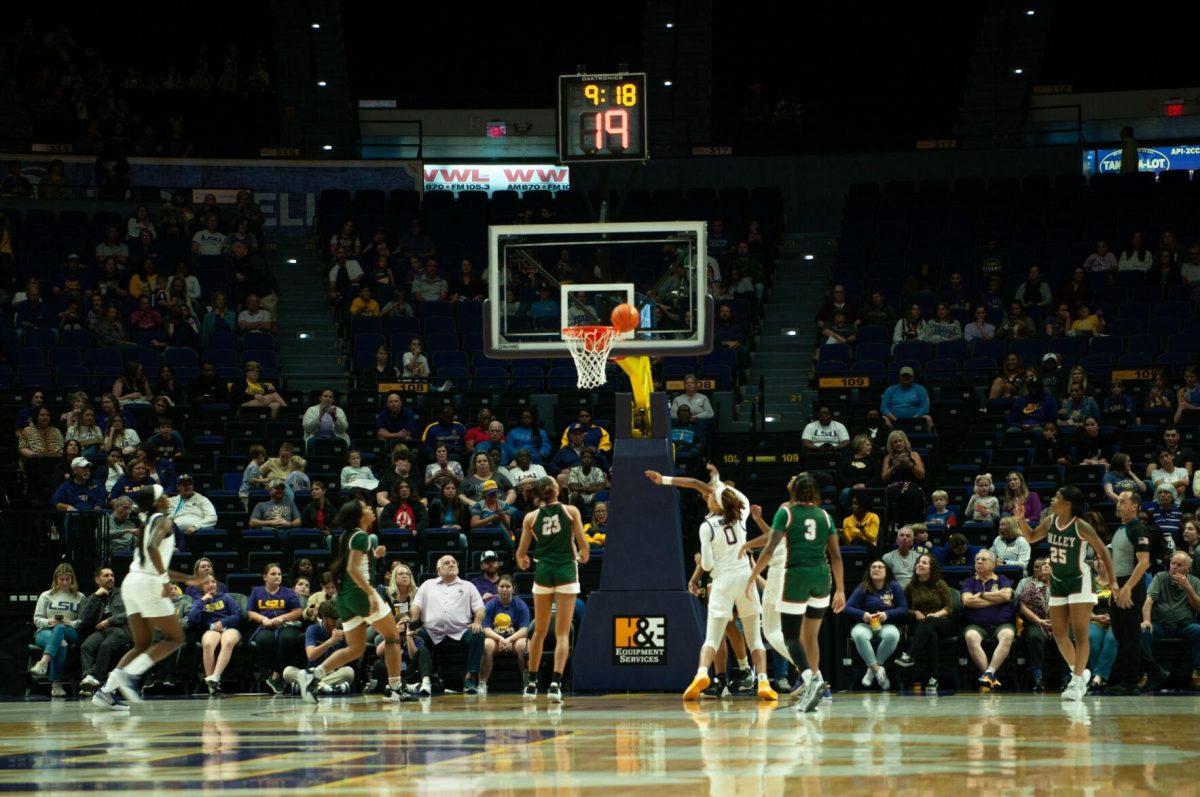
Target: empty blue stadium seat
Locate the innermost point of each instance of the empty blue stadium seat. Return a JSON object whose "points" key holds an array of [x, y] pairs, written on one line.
{"points": [[25, 357], [1107, 345], [988, 348], [834, 352], [1029, 350]]}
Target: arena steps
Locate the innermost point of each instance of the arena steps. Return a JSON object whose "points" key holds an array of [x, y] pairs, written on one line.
{"points": [[313, 362], [784, 345]]}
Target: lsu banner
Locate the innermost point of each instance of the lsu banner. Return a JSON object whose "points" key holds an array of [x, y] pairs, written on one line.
{"points": [[286, 191], [496, 177]]}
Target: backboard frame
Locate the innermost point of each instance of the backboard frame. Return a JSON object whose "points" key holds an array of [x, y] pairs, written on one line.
{"points": [[704, 309]]}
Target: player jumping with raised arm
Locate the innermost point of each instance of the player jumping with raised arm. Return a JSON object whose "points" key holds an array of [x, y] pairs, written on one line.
{"points": [[810, 536], [722, 535]]}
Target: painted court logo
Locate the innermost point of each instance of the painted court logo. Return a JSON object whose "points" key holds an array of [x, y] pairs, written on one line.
{"points": [[639, 640]]}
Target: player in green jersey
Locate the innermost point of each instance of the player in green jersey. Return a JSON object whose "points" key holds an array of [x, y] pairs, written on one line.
{"points": [[358, 604], [560, 544], [1071, 594], [810, 536]]}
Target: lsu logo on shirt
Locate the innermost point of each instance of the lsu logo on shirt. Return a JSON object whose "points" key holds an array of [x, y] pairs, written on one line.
{"points": [[215, 606], [271, 604]]}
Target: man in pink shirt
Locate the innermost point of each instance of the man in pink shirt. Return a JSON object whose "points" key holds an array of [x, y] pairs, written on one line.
{"points": [[451, 612]]}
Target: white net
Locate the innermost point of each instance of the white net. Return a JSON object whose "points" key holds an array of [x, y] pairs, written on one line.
{"points": [[589, 348]]}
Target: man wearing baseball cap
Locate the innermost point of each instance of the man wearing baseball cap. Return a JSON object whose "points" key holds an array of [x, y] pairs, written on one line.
{"points": [[491, 511], [277, 513], [191, 511], [905, 400], [486, 582], [79, 493], [1048, 373]]}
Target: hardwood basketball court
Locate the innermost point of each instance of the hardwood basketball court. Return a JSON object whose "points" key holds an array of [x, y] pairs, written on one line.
{"points": [[638, 744]]}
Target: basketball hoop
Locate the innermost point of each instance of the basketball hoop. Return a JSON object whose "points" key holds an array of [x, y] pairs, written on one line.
{"points": [[589, 347]]}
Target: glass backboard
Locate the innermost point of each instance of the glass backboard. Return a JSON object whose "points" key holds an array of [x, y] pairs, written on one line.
{"points": [[544, 277]]}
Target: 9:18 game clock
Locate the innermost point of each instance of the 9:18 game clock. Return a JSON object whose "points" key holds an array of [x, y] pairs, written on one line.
{"points": [[602, 117]]}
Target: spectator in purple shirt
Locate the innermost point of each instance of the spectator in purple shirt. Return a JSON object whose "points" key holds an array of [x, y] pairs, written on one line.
{"points": [[217, 615], [989, 613], [1034, 410], [505, 629], [274, 611], [486, 581]]}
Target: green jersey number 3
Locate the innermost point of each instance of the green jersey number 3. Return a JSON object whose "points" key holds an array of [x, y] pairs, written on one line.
{"points": [[810, 530]]}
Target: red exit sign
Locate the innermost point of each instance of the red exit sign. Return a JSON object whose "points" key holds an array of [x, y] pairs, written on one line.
{"points": [[1174, 108]]}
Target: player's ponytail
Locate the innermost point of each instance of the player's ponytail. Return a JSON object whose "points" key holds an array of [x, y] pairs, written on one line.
{"points": [[348, 519], [803, 489], [546, 489], [731, 507]]}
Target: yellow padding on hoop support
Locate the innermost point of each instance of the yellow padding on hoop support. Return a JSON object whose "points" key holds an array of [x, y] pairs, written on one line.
{"points": [[640, 378]]}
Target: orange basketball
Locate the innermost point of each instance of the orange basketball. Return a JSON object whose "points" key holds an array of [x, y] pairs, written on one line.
{"points": [[625, 318]]}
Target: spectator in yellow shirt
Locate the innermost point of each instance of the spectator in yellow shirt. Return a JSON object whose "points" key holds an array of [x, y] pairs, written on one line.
{"points": [[597, 531], [1086, 321], [861, 525], [364, 305], [149, 282]]}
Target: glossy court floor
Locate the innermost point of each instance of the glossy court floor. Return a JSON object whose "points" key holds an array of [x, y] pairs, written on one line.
{"points": [[614, 745]]}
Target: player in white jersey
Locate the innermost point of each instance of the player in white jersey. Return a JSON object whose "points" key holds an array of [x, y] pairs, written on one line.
{"points": [[722, 535], [145, 591]]}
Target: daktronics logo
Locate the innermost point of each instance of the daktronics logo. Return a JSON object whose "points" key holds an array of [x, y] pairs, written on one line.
{"points": [[487, 177], [640, 640], [1149, 160]]}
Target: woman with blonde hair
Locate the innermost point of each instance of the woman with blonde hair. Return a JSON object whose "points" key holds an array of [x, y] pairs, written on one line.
{"points": [[1016, 491], [401, 588], [903, 472], [57, 620]]}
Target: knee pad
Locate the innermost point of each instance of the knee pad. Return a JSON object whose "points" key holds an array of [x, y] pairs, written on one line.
{"points": [[814, 613], [753, 634], [714, 636]]}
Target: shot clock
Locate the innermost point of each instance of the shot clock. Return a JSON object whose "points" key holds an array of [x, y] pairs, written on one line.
{"points": [[602, 117]]}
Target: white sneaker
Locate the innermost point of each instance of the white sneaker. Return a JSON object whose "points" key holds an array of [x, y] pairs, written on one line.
{"points": [[1073, 691], [424, 690], [56, 689], [39, 668], [103, 699], [89, 684], [125, 685], [813, 694], [882, 679], [481, 689], [305, 680], [868, 677]]}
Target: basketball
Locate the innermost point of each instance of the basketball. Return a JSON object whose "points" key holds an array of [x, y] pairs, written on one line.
{"points": [[625, 317]]}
